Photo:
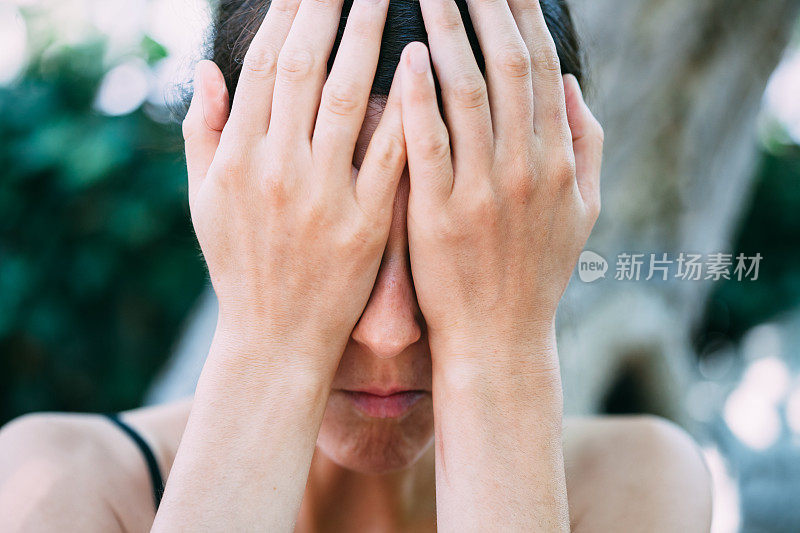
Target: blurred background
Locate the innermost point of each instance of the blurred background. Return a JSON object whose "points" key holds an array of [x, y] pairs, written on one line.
{"points": [[104, 302]]}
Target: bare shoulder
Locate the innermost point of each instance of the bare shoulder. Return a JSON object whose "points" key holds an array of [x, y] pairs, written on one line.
{"points": [[636, 473], [81, 472]]}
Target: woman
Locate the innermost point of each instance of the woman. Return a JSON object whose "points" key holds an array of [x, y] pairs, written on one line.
{"points": [[385, 356]]}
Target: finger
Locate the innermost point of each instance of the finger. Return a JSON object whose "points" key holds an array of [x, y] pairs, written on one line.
{"points": [[464, 93], [302, 67], [508, 70], [204, 122], [376, 183], [252, 101], [587, 143], [427, 140], [346, 92], [549, 116]]}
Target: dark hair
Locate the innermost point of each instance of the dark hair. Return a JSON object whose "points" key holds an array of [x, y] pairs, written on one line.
{"points": [[236, 22]]}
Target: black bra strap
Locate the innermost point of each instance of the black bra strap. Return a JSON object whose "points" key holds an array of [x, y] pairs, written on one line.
{"points": [[147, 452]]}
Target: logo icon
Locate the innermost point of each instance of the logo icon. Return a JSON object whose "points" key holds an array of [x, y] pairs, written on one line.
{"points": [[591, 266]]}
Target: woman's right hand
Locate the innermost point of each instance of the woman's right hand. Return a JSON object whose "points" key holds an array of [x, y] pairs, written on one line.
{"points": [[292, 233], [293, 237]]}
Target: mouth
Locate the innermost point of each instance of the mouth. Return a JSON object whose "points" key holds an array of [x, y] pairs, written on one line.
{"points": [[384, 404]]}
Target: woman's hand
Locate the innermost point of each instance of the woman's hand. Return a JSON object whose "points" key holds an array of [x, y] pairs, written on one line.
{"points": [[292, 234], [503, 197], [495, 225]]}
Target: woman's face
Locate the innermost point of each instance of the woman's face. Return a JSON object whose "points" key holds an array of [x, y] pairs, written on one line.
{"points": [[379, 416]]}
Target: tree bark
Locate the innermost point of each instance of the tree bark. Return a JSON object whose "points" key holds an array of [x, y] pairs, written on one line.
{"points": [[677, 86]]}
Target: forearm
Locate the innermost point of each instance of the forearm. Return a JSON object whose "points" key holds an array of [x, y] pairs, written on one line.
{"points": [[244, 458], [499, 458]]}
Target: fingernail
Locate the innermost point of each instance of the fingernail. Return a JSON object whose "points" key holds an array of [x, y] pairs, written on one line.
{"points": [[418, 59]]}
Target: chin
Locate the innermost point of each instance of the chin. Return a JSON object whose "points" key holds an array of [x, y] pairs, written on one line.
{"points": [[375, 445]]}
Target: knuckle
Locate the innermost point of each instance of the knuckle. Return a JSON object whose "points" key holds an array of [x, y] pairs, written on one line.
{"points": [[564, 168], [360, 24], [545, 58], [421, 96], [482, 208], [390, 152], [260, 61], [520, 178], [530, 10], [470, 92], [295, 63], [230, 166], [315, 214], [284, 6], [449, 229], [448, 21], [274, 190], [339, 98], [435, 145], [514, 61], [520, 187]]}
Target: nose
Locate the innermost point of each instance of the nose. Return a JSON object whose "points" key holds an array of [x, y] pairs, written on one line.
{"points": [[389, 322]]}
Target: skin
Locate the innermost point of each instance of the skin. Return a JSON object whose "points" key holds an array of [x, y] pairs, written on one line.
{"points": [[400, 251], [79, 473]]}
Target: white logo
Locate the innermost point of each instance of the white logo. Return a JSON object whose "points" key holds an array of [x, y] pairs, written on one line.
{"points": [[591, 266]]}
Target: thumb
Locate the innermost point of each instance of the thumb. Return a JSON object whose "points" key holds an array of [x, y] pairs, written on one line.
{"points": [[587, 142], [202, 127]]}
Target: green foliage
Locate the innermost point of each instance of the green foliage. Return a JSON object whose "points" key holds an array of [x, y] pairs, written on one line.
{"points": [[98, 263], [771, 226]]}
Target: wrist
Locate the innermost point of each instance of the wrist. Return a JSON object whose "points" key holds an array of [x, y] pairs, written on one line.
{"points": [[529, 347], [255, 364], [511, 382], [508, 369]]}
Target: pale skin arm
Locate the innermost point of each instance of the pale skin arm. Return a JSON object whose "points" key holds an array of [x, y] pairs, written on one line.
{"points": [[293, 244], [503, 197]]}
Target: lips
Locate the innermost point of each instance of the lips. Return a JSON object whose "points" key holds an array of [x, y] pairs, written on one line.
{"points": [[384, 405]]}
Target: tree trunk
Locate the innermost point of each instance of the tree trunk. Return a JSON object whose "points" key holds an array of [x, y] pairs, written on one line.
{"points": [[677, 86]]}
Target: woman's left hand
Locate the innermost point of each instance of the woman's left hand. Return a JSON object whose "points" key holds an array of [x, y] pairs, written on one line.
{"points": [[502, 200], [495, 225]]}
